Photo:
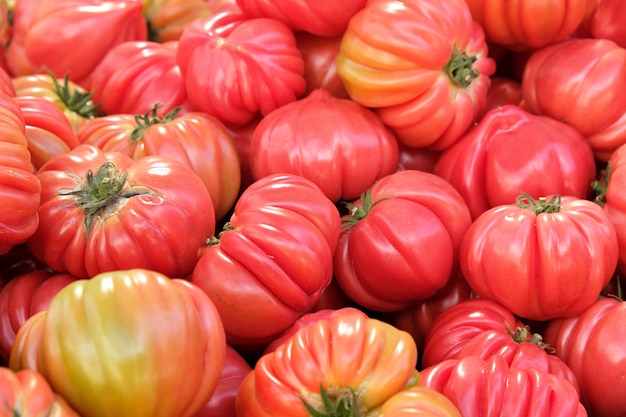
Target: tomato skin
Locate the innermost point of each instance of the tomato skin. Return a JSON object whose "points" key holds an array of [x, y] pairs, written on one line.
{"points": [[591, 343], [17, 62], [161, 200], [24, 296], [276, 251], [167, 18], [608, 22], [424, 104], [318, 18], [352, 350], [133, 333], [236, 68], [48, 129], [582, 73], [26, 393], [343, 156], [526, 25], [60, 26], [20, 189], [134, 76], [541, 266], [490, 166], [411, 236], [484, 388], [195, 139], [503, 90]]}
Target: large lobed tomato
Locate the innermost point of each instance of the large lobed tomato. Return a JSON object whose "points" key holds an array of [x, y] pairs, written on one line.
{"points": [[541, 259], [26, 393], [608, 22], [102, 211], [155, 345], [336, 143], [510, 151], [236, 68], [271, 262], [400, 241], [421, 64], [195, 139], [573, 81]]}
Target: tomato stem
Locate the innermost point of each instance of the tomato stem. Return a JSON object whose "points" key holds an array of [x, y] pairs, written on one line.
{"points": [[459, 69], [150, 118], [334, 402], [542, 206], [77, 101], [357, 213]]}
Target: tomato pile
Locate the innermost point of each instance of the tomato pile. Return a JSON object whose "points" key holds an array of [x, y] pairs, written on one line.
{"points": [[291, 208]]}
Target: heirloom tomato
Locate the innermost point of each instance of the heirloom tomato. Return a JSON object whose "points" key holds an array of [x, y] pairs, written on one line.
{"points": [[195, 139], [60, 36], [510, 151], [133, 77], [608, 22], [154, 344], [611, 195], [541, 259], [26, 393], [582, 73], [48, 129], [420, 159], [273, 258], [343, 156], [592, 345], [236, 68], [529, 24], [22, 14], [400, 241], [322, 18], [347, 361], [503, 90], [102, 211], [20, 189], [421, 64], [167, 18], [489, 388], [73, 100], [24, 296]]}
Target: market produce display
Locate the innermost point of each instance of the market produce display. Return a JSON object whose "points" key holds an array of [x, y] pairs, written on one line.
{"points": [[312, 208]]}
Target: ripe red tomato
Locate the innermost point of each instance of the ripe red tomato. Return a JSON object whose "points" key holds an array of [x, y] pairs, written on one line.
{"points": [[592, 345], [510, 151], [102, 211], [529, 24], [343, 155], [541, 259], [582, 73], [236, 68], [195, 139], [20, 189], [137, 335], [422, 64], [135, 76], [481, 388], [24, 296], [26, 393], [502, 91], [273, 258], [608, 21], [406, 228]]}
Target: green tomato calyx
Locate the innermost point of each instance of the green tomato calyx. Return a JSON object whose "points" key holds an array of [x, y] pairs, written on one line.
{"points": [[150, 118], [542, 206], [334, 401], [356, 212], [75, 99], [459, 69]]}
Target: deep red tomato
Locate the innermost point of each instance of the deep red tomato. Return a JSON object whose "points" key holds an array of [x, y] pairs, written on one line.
{"points": [[573, 81], [420, 159], [592, 344], [503, 90], [59, 35], [359, 362], [167, 18], [102, 211], [195, 139], [21, 298], [422, 64], [26, 393], [236, 68], [48, 129], [137, 335], [608, 21], [541, 259], [406, 228], [317, 17], [273, 259], [485, 388], [242, 135], [135, 76], [343, 156], [20, 189], [532, 23], [511, 151]]}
